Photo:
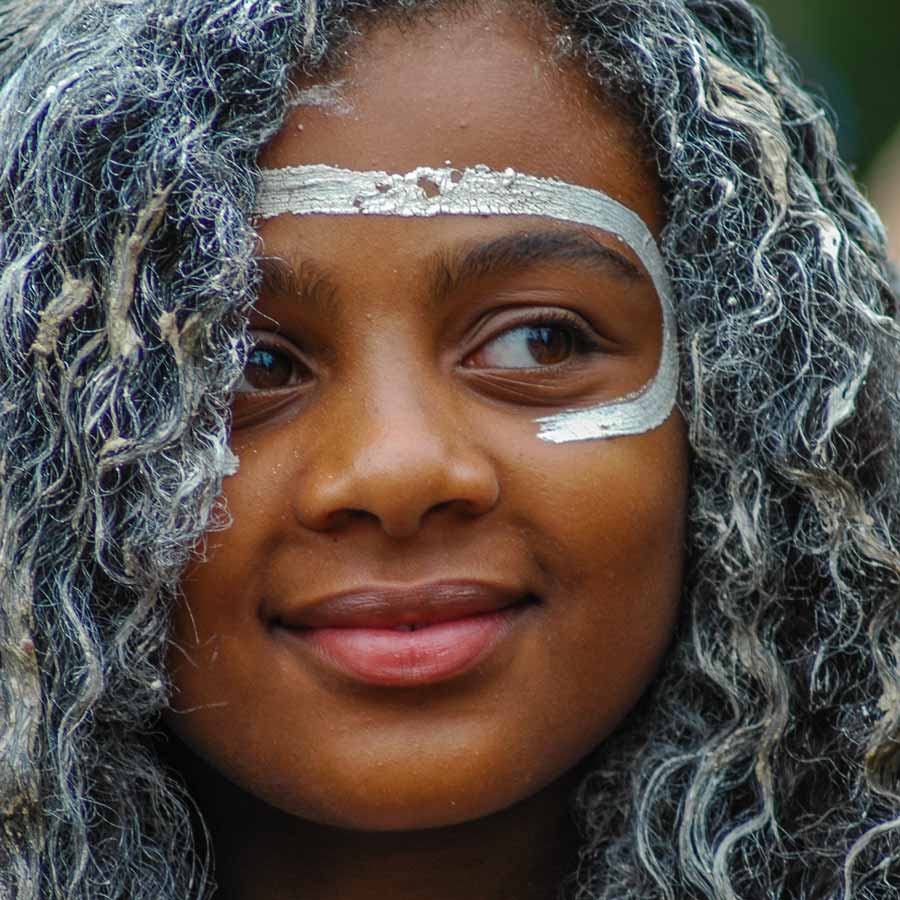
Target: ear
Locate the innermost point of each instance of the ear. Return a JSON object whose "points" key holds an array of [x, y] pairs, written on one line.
{"points": [[22, 26]]}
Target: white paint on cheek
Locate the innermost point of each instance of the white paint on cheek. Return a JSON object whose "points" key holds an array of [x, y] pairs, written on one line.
{"points": [[479, 191], [329, 97]]}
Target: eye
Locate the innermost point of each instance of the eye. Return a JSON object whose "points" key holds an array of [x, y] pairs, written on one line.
{"points": [[525, 348], [532, 346], [271, 366]]}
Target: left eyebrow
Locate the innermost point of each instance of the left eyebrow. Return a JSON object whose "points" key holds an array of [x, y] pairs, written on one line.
{"points": [[299, 279], [525, 250]]}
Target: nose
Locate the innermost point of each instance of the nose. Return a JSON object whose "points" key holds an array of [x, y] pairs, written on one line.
{"points": [[396, 462]]}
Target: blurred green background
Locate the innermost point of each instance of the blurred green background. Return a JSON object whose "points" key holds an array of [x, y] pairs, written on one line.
{"points": [[849, 51]]}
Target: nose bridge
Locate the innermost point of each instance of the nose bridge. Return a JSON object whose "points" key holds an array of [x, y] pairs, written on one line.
{"points": [[400, 451], [402, 424]]}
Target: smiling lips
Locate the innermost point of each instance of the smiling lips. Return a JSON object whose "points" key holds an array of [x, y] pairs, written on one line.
{"points": [[405, 636]]}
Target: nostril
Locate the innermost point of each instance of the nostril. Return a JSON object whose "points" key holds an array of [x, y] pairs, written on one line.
{"points": [[359, 515], [341, 518], [398, 484]]}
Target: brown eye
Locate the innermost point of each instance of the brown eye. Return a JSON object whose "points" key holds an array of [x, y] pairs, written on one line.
{"points": [[550, 346], [271, 367], [528, 347]]}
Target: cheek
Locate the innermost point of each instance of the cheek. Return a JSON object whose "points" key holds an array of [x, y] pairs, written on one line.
{"points": [[614, 508], [218, 632], [225, 584], [607, 526]]}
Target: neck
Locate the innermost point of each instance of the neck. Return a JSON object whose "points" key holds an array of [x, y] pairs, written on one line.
{"points": [[261, 853]]}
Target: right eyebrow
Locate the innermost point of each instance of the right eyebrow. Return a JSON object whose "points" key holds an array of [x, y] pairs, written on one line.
{"points": [[524, 250], [447, 272]]}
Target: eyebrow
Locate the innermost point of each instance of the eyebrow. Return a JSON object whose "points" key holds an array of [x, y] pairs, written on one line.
{"points": [[525, 250], [449, 271], [299, 278]]}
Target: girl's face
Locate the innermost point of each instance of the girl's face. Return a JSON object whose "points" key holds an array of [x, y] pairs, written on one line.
{"points": [[391, 473]]}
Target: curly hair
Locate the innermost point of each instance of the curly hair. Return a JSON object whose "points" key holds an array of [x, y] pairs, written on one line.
{"points": [[763, 761]]}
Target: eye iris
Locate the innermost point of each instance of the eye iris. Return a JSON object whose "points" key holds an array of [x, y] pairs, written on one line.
{"points": [[268, 368], [549, 346]]}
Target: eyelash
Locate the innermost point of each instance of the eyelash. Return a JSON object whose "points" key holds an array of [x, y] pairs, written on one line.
{"points": [[280, 347], [585, 340]]}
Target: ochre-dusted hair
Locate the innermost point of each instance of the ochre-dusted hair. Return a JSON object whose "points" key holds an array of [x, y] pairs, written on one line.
{"points": [[764, 760]]}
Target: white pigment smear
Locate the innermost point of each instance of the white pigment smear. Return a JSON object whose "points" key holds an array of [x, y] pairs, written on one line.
{"points": [[329, 97], [480, 191]]}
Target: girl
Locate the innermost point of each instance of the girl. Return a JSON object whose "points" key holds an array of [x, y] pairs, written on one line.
{"points": [[449, 451]]}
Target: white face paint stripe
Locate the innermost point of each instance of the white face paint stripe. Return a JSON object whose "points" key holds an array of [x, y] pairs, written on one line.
{"points": [[479, 191]]}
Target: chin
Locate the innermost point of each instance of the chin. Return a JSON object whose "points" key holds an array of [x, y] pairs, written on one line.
{"points": [[375, 805]]}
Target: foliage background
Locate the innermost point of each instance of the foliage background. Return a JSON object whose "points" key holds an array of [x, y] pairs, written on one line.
{"points": [[848, 50]]}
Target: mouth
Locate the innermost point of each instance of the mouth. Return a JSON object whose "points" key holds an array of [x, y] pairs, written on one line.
{"points": [[411, 635]]}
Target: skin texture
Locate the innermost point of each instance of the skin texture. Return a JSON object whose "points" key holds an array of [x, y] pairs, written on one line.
{"points": [[405, 455]]}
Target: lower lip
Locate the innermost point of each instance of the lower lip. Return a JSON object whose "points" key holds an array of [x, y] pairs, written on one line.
{"points": [[427, 655]]}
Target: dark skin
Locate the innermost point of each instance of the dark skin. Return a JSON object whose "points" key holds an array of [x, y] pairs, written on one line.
{"points": [[392, 442]]}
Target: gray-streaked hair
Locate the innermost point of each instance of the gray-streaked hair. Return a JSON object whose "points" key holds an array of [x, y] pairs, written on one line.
{"points": [[764, 760]]}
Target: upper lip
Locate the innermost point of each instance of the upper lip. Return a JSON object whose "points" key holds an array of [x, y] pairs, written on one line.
{"points": [[392, 606]]}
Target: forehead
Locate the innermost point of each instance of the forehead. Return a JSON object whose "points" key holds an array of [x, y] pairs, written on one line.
{"points": [[483, 89]]}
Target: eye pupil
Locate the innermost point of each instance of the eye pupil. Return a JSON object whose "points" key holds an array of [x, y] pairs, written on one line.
{"points": [[268, 368], [263, 358], [549, 346]]}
